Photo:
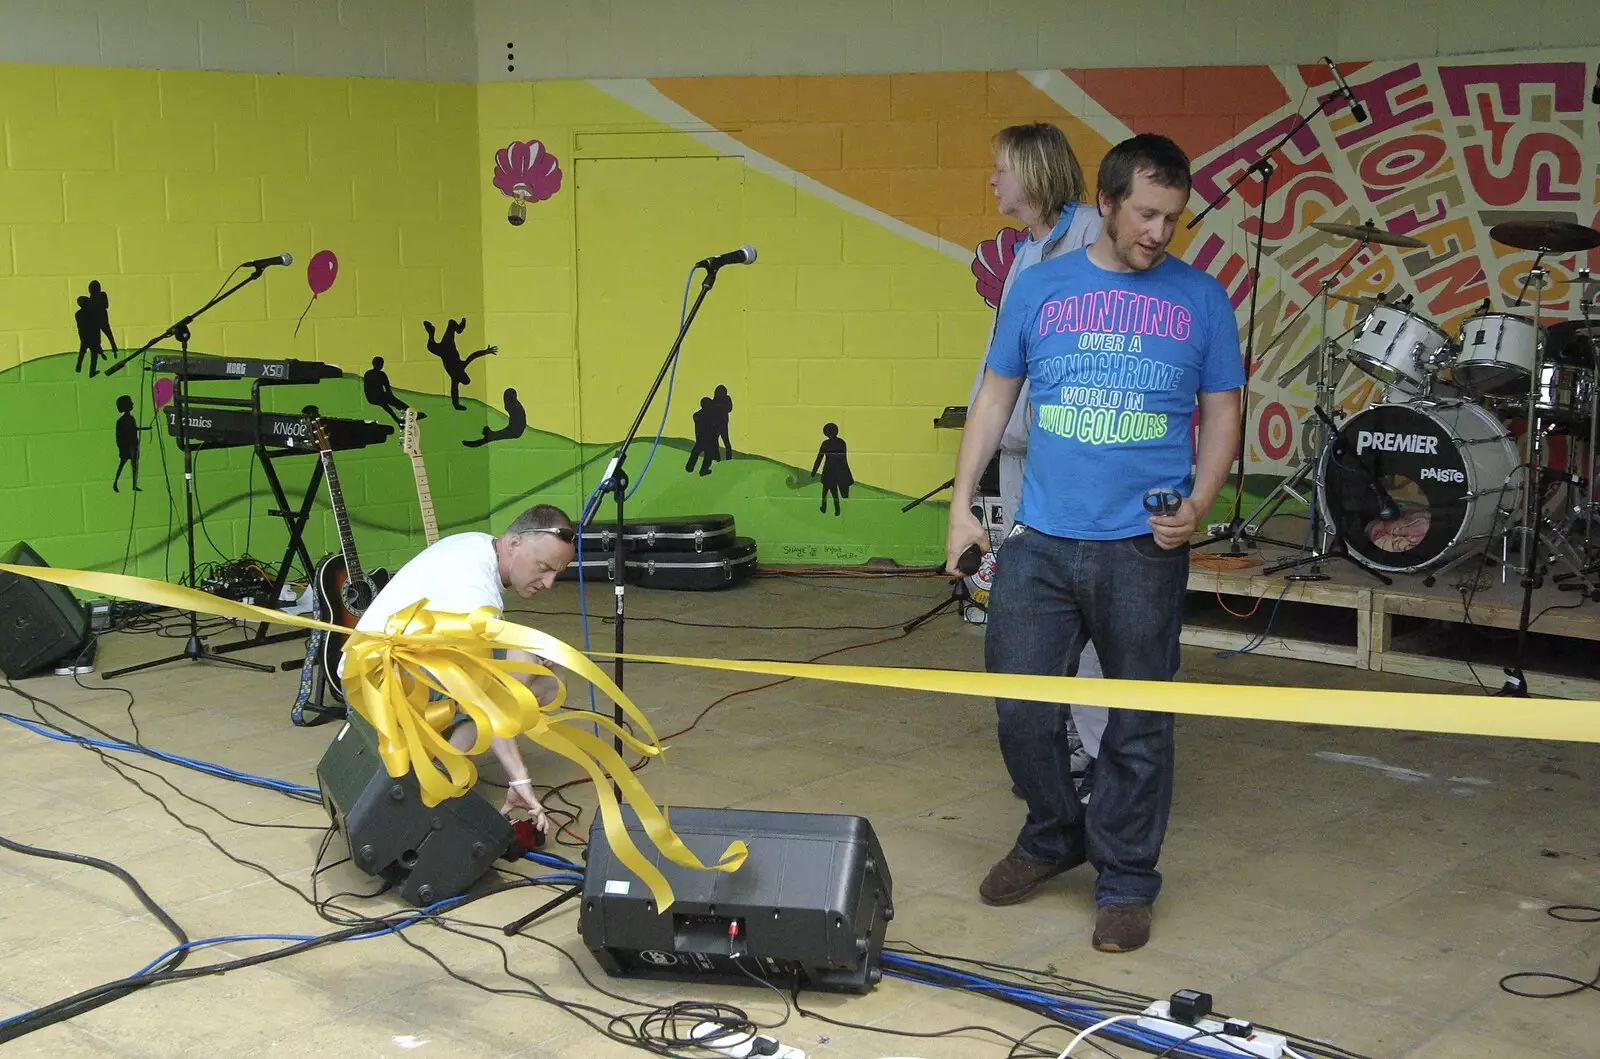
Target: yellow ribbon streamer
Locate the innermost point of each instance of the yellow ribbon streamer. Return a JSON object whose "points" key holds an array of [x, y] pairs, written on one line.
{"points": [[1563, 719], [388, 677]]}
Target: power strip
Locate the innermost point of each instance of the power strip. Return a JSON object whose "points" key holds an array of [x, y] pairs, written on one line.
{"points": [[1158, 1019], [740, 1045]]}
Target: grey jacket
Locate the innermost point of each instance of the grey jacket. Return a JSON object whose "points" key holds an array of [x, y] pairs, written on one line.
{"points": [[1077, 229]]}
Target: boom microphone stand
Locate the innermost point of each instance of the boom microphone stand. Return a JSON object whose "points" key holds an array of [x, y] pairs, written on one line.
{"points": [[194, 648], [1238, 529], [615, 482]]}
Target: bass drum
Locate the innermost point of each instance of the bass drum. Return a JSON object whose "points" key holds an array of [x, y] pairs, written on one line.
{"points": [[1411, 486]]}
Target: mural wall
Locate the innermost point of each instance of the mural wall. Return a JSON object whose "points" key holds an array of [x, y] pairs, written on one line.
{"points": [[513, 260]]}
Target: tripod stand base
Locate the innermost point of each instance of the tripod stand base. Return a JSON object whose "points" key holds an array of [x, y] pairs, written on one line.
{"points": [[516, 925], [195, 650]]}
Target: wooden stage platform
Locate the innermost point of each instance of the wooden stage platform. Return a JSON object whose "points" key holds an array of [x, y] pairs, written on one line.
{"points": [[1454, 630]]}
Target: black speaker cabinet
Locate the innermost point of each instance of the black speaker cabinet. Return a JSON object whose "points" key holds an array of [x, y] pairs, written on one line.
{"points": [[427, 854], [40, 623], [810, 905]]}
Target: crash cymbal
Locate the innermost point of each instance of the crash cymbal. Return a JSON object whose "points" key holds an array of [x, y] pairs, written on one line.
{"points": [[1559, 237], [1572, 342], [1364, 302], [1366, 233]]}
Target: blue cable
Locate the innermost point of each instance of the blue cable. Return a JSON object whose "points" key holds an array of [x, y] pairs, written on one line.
{"points": [[583, 596], [552, 860], [1068, 1011], [220, 771], [437, 906]]}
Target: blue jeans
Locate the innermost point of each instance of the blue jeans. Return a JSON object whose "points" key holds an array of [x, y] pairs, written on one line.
{"points": [[1050, 595]]}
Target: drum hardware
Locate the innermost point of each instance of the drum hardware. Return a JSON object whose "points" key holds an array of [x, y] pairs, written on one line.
{"points": [[1240, 534]]}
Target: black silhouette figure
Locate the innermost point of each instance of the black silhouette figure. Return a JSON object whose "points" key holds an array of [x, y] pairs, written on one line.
{"points": [[722, 405], [513, 429], [835, 464], [454, 366], [93, 319], [127, 443], [375, 386], [705, 438]]}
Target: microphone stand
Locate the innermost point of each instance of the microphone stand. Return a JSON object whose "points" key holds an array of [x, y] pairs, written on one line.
{"points": [[1238, 529], [615, 482], [194, 648]]}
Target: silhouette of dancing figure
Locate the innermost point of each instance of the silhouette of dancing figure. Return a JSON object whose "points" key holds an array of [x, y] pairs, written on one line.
{"points": [[513, 429], [375, 387], [454, 365], [836, 476], [127, 443], [705, 438]]}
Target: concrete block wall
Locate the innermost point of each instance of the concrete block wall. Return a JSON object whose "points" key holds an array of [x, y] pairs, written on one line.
{"points": [[157, 183], [419, 40], [644, 38]]}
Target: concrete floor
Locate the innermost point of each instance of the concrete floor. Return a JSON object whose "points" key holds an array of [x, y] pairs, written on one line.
{"points": [[1364, 887]]}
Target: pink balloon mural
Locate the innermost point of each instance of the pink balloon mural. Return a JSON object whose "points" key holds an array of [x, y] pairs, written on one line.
{"points": [[525, 172], [162, 392], [321, 271]]}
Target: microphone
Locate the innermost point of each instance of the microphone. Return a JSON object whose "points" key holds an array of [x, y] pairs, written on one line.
{"points": [[1594, 93], [745, 255], [1355, 107], [267, 262]]}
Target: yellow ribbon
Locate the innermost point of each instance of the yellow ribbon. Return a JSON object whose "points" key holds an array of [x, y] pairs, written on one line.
{"points": [[387, 679]]}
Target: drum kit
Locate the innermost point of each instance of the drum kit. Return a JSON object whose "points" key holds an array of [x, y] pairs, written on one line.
{"points": [[1431, 475]]}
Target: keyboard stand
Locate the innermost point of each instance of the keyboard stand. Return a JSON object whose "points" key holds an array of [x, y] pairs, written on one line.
{"points": [[295, 520]]}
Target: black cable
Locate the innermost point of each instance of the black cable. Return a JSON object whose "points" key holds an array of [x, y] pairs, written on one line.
{"points": [[1590, 914], [9, 1028]]}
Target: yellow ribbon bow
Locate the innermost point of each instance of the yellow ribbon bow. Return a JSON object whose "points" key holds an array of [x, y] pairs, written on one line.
{"points": [[387, 678]]}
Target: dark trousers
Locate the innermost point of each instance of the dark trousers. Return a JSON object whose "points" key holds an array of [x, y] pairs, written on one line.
{"points": [[1051, 594]]}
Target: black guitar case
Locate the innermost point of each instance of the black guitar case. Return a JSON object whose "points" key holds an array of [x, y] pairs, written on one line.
{"points": [[694, 571], [677, 533]]}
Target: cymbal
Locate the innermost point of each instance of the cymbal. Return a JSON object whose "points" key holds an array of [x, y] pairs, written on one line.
{"points": [[1558, 236], [1366, 233], [1364, 302], [1572, 342]]}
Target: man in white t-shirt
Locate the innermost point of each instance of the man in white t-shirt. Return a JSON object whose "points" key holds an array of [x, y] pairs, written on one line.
{"points": [[463, 572]]}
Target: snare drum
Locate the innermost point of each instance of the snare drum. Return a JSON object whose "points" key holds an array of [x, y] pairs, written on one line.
{"points": [[1497, 355], [1563, 396], [1398, 348]]}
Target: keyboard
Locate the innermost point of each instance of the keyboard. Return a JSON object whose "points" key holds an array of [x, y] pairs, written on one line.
{"points": [[222, 428], [202, 367]]}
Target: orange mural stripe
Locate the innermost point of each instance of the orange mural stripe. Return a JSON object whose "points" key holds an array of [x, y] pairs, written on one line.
{"points": [[1201, 107], [912, 146]]}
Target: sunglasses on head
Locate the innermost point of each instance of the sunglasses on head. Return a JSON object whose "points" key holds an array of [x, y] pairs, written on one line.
{"points": [[562, 533]]}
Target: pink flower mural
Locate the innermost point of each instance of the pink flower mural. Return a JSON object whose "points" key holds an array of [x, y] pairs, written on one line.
{"points": [[525, 172], [993, 263]]}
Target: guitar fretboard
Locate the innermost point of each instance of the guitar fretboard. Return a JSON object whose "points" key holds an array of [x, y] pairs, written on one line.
{"points": [[430, 525], [347, 543]]}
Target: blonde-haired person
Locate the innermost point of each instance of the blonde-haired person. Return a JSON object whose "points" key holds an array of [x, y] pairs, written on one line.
{"points": [[1037, 180]]}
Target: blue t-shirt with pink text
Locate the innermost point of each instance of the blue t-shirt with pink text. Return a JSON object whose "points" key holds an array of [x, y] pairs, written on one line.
{"points": [[1114, 361]]}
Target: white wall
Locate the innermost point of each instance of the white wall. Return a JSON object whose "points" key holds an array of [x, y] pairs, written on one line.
{"points": [[644, 38], [421, 40]]}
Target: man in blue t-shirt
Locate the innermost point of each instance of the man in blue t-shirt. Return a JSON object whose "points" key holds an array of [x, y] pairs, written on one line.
{"points": [[1118, 342]]}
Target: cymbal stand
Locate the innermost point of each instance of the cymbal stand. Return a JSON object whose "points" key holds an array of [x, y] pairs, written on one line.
{"points": [[1516, 684], [1325, 538], [1589, 510], [1239, 529]]}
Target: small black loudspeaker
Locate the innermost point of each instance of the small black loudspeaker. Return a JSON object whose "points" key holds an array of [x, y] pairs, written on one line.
{"points": [[810, 904], [428, 855], [40, 623]]}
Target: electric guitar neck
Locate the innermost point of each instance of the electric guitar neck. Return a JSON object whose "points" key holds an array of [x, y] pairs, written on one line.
{"points": [[411, 442]]}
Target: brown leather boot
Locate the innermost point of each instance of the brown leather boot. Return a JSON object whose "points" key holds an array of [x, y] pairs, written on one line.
{"points": [[1015, 877], [1121, 928]]}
